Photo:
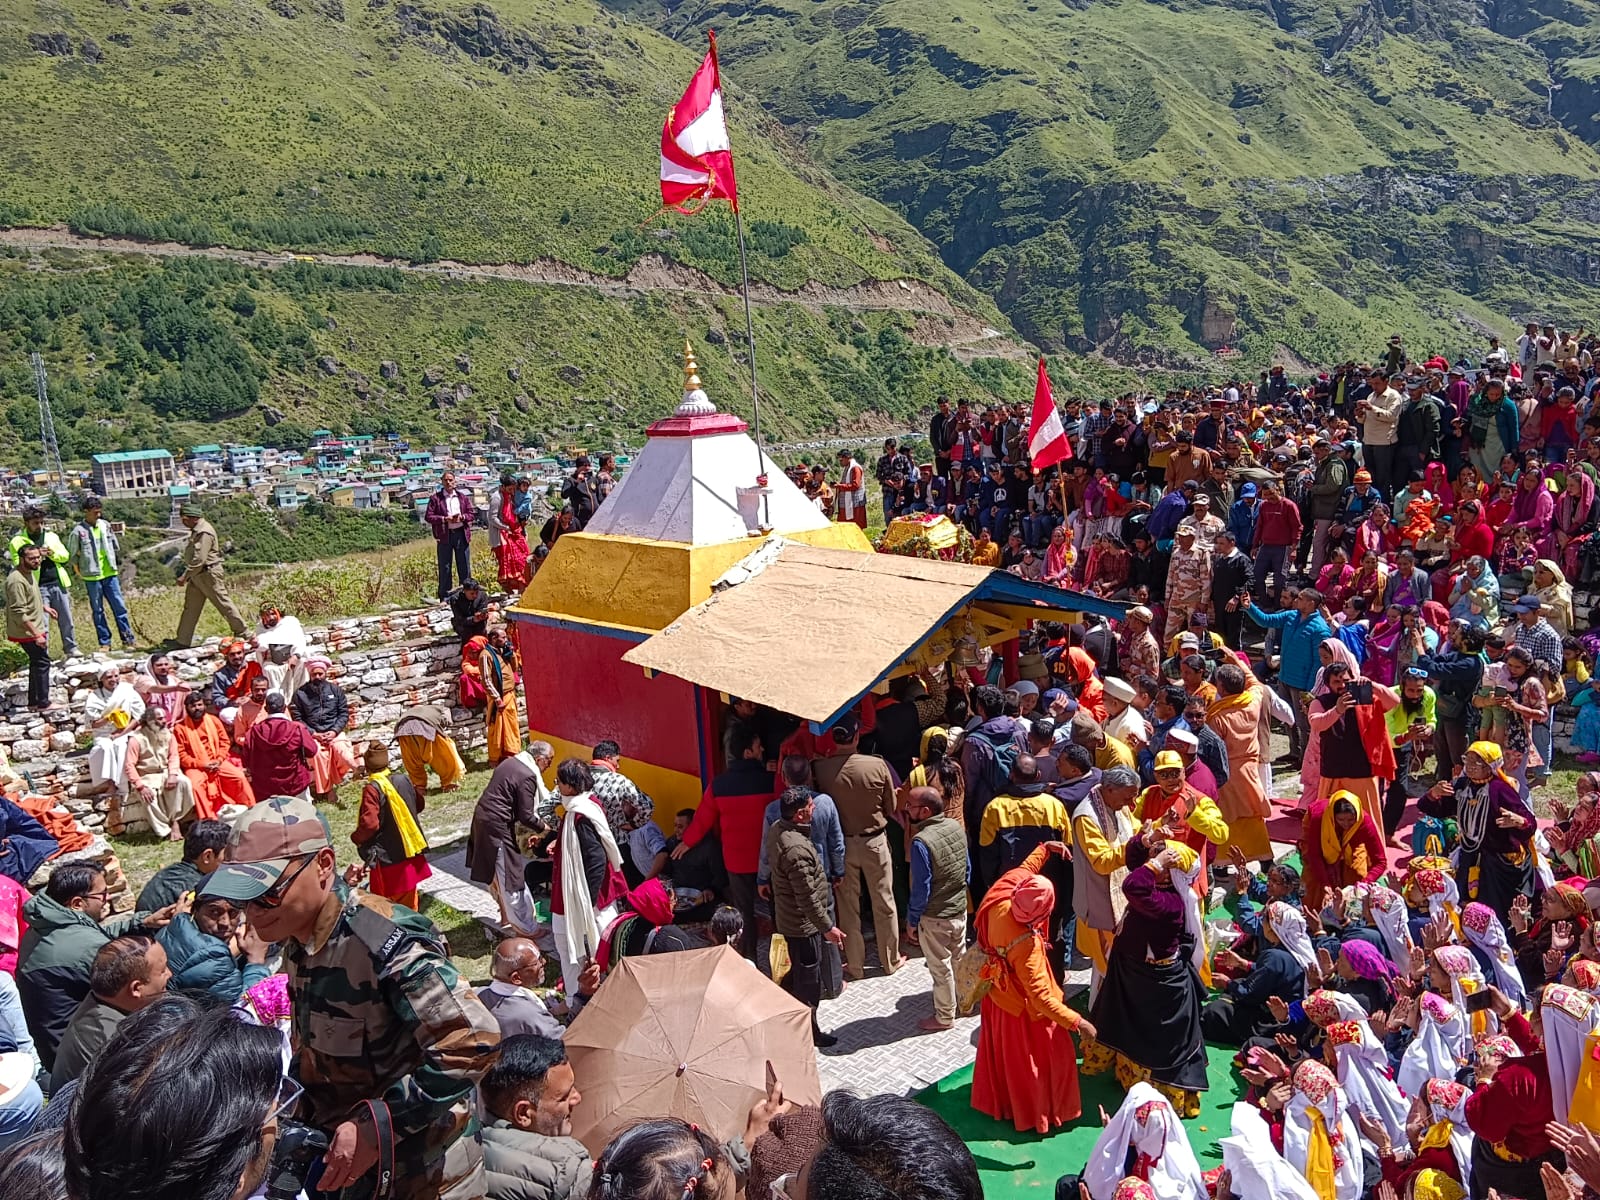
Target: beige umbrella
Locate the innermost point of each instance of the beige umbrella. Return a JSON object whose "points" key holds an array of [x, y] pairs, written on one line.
{"points": [[687, 1035]]}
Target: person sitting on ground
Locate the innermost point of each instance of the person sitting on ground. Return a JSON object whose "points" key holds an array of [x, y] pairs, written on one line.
{"points": [[159, 786], [64, 934], [201, 950], [518, 968], [251, 711], [203, 845], [469, 611], [230, 683], [320, 705], [278, 751], [387, 834], [203, 748], [128, 973], [528, 1096]]}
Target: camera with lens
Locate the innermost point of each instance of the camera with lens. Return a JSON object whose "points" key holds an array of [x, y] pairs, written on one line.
{"points": [[300, 1147]]}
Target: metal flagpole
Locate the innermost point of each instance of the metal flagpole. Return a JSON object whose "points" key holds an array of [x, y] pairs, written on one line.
{"points": [[755, 391]]}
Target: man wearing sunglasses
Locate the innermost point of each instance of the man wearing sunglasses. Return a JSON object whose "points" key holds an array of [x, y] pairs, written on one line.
{"points": [[391, 1040]]}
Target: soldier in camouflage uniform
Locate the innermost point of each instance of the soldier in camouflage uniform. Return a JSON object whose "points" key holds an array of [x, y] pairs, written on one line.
{"points": [[379, 1012]]}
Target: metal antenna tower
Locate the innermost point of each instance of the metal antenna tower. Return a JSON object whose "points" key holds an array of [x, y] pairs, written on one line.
{"points": [[47, 424]]}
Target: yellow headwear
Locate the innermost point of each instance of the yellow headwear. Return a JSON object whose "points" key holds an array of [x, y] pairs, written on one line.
{"points": [[1168, 760], [1433, 1184], [1493, 756], [1183, 855]]}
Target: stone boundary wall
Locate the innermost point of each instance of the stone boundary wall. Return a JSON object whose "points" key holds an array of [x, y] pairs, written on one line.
{"points": [[384, 663]]}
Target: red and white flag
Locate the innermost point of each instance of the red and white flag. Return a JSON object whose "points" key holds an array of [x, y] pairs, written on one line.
{"points": [[696, 157], [1047, 437]]}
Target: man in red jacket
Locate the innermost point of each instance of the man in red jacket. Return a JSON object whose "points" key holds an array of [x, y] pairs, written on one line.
{"points": [[735, 806], [277, 752], [1276, 537]]}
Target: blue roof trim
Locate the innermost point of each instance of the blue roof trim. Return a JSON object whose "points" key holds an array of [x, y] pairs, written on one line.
{"points": [[575, 625], [1005, 588]]}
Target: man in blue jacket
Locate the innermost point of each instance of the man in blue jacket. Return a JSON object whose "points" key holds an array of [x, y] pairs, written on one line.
{"points": [[1302, 630], [198, 952]]}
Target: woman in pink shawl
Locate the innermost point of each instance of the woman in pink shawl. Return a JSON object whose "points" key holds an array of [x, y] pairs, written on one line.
{"points": [[1331, 651], [1576, 515], [1334, 580], [1437, 480], [1532, 508], [1057, 558]]}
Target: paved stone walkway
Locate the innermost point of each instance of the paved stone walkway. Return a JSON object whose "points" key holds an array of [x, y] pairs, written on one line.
{"points": [[880, 1048]]}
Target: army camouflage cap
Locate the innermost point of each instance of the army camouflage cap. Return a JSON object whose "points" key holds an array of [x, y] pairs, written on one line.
{"points": [[265, 840]]}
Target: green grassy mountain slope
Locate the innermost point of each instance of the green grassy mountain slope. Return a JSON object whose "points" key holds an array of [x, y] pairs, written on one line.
{"points": [[433, 132], [174, 352], [1154, 180]]}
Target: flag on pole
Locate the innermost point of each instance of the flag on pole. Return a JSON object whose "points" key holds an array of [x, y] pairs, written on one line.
{"points": [[696, 156], [1047, 437]]}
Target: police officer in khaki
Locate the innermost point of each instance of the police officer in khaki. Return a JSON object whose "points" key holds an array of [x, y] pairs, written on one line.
{"points": [[202, 577], [389, 1042]]}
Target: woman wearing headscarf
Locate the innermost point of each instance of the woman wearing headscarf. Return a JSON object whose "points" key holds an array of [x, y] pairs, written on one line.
{"points": [[1340, 845], [498, 671], [1362, 1066], [1148, 1012], [1440, 1046], [1571, 838], [1439, 1142], [320, 705], [1576, 517], [113, 707], [1320, 1139], [1026, 1070], [1514, 1100], [1453, 972], [1385, 911], [1496, 827], [155, 776], [1469, 536], [1555, 594], [1278, 972], [1564, 915], [1362, 971], [1144, 1140], [1475, 593], [1487, 938], [507, 537], [1533, 508], [1353, 747]]}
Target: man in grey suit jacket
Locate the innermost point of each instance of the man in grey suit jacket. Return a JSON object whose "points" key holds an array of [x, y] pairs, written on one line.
{"points": [[517, 966]]}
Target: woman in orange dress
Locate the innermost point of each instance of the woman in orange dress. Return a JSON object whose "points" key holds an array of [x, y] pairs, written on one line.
{"points": [[1027, 1069]]}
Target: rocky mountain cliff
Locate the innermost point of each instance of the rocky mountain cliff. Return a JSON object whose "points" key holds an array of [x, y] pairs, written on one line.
{"points": [[1152, 181]]}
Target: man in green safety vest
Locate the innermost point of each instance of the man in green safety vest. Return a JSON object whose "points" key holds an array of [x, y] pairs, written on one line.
{"points": [[55, 577]]}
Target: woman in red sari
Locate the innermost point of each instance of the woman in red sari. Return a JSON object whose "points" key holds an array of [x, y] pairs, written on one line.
{"points": [[511, 552], [1027, 1070]]}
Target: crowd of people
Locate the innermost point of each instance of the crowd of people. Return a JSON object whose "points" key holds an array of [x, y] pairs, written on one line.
{"points": [[1375, 566]]}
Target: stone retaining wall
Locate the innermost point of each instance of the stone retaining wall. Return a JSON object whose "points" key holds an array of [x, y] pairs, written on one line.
{"points": [[384, 664]]}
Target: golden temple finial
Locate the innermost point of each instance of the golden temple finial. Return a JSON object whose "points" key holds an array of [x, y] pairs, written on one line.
{"points": [[695, 401], [691, 369]]}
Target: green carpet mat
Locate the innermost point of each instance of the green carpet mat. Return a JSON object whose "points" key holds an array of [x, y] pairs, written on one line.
{"points": [[1027, 1164]]}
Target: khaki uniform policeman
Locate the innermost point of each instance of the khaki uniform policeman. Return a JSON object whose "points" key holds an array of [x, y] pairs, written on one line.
{"points": [[202, 577], [379, 1012]]}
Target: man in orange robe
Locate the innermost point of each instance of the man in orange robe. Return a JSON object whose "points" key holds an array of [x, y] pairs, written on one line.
{"points": [[203, 746], [1235, 717]]}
